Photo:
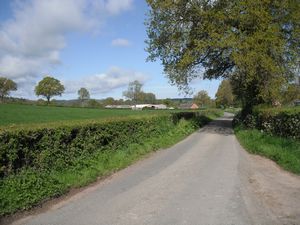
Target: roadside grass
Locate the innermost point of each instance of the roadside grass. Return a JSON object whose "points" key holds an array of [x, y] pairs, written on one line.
{"points": [[29, 187], [232, 110], [284, 151]]}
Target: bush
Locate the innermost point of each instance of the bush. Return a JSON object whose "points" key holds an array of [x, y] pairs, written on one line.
{"points": [[43, 162], [58, 146], [284, 122]]}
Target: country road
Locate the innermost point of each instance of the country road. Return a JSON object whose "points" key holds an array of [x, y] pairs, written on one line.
{"points": [[205, 179]]}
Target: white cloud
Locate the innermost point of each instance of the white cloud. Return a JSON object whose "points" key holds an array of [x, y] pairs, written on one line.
{"points": [[114, 78], [31, 41], [116, 6], [120, 42]]}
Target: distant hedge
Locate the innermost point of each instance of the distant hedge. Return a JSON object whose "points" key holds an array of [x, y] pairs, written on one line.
{"points": [[60, 145], [284, 122]]}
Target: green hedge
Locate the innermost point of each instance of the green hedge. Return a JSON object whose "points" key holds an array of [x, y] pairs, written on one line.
{"points": [[59, 146], [284, 122], [38, 163]]}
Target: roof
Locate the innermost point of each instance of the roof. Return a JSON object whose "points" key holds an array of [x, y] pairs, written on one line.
{"points": [[188, 105]]}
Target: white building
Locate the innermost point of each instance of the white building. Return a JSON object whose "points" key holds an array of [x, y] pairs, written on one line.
{"points": [[149, 106]]}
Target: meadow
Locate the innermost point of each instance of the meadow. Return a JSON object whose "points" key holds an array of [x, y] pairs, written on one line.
{"points": [[14, 114]]}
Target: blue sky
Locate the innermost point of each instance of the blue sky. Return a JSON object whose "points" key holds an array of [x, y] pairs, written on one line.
{"points": [[97, 44]]}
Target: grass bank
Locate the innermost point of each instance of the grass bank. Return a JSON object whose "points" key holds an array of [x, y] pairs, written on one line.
{"points": [[284, 151], [30, 186]]}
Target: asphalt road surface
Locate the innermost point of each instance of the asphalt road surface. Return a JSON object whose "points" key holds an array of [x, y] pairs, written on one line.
{"points": [[205, 179]]}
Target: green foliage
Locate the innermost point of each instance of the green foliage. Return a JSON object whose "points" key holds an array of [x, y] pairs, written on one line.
{"points": [[284, 151], [202, 99], [147, 98], [283, 122], [290, 94], [83, 94], [254, 43], [38, 164], [49, 87], [224, 96], [136, 95], [133, 91], [6, 85]]}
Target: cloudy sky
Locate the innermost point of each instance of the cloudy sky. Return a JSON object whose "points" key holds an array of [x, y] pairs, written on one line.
{"points": [[97, 44]]}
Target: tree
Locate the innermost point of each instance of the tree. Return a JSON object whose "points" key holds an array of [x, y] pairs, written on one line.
{"points": [[148, 98], [256, 44], [49, 87], [134, 91], [291, 93], [202, 99], [6, 86], [109, 101], [224, 96], [83, 94]]}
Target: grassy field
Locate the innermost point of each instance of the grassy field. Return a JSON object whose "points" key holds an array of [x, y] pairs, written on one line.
{"points": [[12, 114], [284, 151]]}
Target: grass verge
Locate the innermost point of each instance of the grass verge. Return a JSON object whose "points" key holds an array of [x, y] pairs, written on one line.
{"points": [[284, 151], [30, 187]]}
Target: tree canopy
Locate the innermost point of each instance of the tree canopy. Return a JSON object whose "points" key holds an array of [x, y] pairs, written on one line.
{"points": [[255, 43], [6, 86], [224, 96], [83, 94], [202, 99], [136, 95], [133, 91], [49, 87]]}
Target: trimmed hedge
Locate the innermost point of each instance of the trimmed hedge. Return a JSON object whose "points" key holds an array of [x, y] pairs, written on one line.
{"points": [[59, 146], [39, 163], [280, 122]]}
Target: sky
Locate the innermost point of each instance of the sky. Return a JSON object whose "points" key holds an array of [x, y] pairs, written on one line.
{"points": [[96, 44]]}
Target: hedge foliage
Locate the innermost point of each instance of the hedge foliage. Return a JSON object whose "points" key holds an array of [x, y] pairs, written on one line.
{"points": [[284, 122], [59, 146]]}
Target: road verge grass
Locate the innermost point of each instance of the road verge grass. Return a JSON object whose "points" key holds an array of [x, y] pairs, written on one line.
{"points": [[29, 187], [284, 151]]}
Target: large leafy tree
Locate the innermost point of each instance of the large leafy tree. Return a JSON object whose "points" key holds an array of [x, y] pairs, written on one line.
{"points": [[83, 94], [255, 43], [224, 96], [6, 86], [202, 99], [49, 87], [290, 93], [134, 91]]}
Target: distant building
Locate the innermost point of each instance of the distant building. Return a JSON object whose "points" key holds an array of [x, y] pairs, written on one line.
{"points": [[149, 106], [118, 107], [188, 106]]}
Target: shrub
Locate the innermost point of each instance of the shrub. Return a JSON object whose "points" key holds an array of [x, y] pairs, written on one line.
{"points": [[284, 122], [58, 146], [41, 162]]}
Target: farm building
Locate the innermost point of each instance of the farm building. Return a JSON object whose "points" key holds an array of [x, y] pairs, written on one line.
{"points": [[149, 106], [189, 106], [118, 107]]}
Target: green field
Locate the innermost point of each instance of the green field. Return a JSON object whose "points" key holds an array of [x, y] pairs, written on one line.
{"points": [[13, 114]]}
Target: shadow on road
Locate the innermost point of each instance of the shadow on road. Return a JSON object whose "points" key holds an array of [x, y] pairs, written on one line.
{"points": [[221, 126]]}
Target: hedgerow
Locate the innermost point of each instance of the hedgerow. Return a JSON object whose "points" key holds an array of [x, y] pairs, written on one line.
{"points": [[284, 122], [58, 146], [40, 162]]}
